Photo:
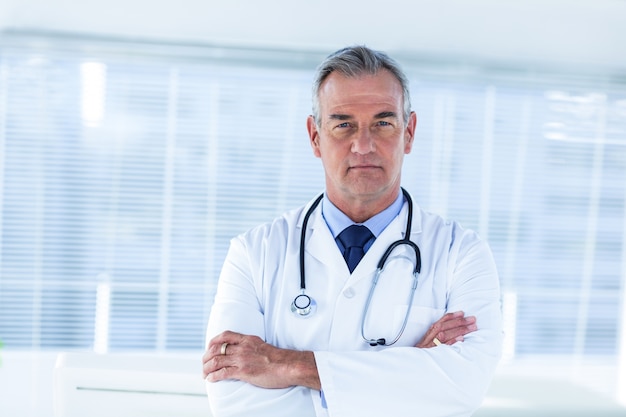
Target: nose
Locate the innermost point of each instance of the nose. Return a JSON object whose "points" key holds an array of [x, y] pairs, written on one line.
{"points": [[363, 142]]}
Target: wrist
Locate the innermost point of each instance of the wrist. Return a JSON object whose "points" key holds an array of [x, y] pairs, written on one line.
{"points": [[302, 369]]}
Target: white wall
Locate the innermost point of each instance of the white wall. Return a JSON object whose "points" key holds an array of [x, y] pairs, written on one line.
{"points": [[561, 32], [26, 383]]}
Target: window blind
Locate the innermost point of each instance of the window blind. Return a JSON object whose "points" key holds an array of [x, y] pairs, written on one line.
{"points": [[127, 168]]}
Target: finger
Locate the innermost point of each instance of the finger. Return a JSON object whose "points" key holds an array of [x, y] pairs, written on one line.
{"points": [[451, 316], [451, 327], [429, 338], [447, 321], [207, 358], [220, 374], [215, 364], [459, 331], [455, 322], [208, 367], [226, 336], [453, 341], [211, 360], [214, 349], [215, 345]]}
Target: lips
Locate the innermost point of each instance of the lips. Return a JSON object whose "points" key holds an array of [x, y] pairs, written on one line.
{"points": [[364, 167]]}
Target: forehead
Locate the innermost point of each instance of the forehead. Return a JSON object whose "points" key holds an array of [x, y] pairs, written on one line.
{"points": [[341, 92]]}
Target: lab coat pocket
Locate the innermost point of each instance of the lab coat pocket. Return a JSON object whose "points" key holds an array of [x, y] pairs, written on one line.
{"points": [[418, 322]]}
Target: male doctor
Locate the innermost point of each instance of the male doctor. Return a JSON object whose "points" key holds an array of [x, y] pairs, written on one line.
{"points": [[342, 350]]}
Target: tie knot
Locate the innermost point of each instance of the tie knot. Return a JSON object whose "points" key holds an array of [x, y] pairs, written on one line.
{"points": [[353, 238], [354, 235]]}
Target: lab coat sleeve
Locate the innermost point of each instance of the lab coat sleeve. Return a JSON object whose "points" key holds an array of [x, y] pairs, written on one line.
{"points": [[237, 308], [440, 381]]}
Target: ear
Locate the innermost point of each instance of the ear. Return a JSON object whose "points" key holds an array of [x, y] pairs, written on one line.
{"points": [[314, 137], [409, 133]]}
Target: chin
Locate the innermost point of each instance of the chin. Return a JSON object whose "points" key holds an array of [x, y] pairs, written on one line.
{"points": [[368, 189]]}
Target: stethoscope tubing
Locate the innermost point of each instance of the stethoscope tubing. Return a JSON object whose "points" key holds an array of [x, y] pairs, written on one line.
{"points": [[305, 309], [381, 265], [305, 221]]}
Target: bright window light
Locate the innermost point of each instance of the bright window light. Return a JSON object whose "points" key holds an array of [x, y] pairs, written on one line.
{"points": [[103, 307], [93, 87]]}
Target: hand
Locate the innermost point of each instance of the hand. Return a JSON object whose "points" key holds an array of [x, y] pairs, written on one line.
{"points": [[448, 330], [250, 359]]}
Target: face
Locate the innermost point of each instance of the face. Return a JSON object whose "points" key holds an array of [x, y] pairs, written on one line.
{"points": [[362, 137]]}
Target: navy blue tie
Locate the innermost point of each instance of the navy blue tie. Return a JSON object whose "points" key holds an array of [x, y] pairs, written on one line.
{"points": [[353, 238]]}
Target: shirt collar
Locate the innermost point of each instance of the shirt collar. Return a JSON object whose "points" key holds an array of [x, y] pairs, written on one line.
{"points": [[337, 220]]}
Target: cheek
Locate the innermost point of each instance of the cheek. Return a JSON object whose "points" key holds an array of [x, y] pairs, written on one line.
{"points": [[330, 160], [332, 151], [334, 164]]}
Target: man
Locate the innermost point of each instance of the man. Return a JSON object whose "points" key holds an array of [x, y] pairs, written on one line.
{"points": [[344, 350]]}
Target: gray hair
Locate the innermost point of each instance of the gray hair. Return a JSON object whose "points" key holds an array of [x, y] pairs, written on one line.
{"points": [[354, 61]]}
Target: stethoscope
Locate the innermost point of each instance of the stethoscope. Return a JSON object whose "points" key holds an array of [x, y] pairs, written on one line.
{"points": [[303, 305]]}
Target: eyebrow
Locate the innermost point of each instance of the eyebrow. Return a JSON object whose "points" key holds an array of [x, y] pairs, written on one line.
{"points": [[381, 115], [386, 114], [339, 117]]}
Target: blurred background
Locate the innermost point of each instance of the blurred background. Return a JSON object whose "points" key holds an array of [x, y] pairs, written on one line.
{"points": [[137, 137]]}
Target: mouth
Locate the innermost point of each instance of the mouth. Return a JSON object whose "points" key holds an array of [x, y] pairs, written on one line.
{"points": [[363, 167]]}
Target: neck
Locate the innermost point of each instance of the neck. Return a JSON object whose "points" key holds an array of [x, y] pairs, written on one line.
{"points": [[360, 208]]}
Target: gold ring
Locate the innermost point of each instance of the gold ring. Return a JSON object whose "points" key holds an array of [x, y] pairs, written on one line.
{"points": [[223, 349], [436, 341]]}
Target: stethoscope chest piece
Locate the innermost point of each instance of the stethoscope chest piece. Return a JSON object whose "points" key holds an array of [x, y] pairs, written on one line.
{"points": [[303, 305]]}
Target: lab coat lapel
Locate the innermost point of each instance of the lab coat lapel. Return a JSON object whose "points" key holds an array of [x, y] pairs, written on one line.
{"points": [[321, 245]]}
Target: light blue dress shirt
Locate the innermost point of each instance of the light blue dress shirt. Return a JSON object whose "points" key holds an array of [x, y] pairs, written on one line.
{"points": [[337, 220]]}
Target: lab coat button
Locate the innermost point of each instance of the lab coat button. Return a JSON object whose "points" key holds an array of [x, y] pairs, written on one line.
{"points": [[349, 293]]}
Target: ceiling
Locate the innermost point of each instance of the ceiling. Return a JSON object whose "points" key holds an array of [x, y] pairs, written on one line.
{"points": [[548, 32]]}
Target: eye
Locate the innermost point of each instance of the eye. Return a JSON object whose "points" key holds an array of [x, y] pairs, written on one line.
{"points": [[344, 124], [383, 123]]}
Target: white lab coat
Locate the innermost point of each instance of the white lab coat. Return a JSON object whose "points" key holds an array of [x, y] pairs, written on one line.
{"points": [[261, 277]]}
